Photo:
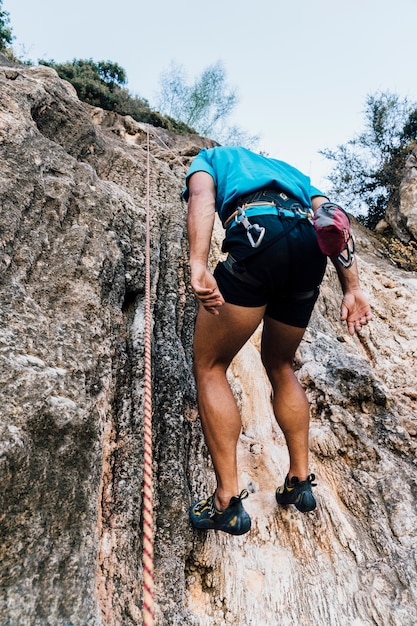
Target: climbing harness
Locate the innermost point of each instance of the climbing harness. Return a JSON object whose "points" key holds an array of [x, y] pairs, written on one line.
{"points": [[259, 208], [238, 271], [147, 510], [283, 206]]}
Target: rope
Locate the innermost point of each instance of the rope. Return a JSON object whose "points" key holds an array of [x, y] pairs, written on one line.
{"points": [[147, 505], [159, 138], [148, 527]]}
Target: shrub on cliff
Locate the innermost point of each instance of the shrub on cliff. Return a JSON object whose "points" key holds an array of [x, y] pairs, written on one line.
{"points": [[102, 84]]}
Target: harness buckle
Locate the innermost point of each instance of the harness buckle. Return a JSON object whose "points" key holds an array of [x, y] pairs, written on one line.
{"points": [[308, 213], [241, 218]]}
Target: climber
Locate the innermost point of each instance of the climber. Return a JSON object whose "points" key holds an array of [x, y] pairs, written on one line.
{"points": [[272, 274]]}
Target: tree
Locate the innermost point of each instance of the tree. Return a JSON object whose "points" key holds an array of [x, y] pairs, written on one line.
{"points": [[369, 168], [205, 105], [6, 36], [200, 105]]}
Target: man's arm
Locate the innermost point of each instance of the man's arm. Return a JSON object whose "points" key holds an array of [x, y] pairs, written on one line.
{"points": [[200, 221], [355, 309]]}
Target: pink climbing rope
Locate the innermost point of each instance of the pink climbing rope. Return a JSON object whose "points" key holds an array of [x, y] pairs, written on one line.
{"points": [[148, 526], [147, 506]]}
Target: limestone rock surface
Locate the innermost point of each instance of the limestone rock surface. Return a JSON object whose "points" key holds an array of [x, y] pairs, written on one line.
{"points": [[403, 217], [75, 184]]}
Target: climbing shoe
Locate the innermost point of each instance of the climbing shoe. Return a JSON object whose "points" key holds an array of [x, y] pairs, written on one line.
{"points": [[233, 520], [297, 492]]}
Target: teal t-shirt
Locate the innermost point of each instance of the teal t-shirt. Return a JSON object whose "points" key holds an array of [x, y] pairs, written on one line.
{"points": [[239, 171]]}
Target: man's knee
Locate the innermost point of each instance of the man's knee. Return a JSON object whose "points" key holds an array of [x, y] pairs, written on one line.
{"points": [[277, 366], [204, 368]]}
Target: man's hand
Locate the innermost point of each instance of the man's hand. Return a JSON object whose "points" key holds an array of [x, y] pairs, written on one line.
{"points": [[200, 220], [205, 288], [355, 310]]}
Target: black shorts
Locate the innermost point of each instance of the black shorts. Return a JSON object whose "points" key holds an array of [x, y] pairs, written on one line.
{"points": [[285, 275]]}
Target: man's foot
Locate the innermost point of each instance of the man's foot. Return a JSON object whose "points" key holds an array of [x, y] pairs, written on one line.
{"points": [[233, 520], [297, 492]]}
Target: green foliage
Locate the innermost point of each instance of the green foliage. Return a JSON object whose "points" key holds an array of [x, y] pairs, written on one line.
{"points": [[369, 168], [101, 84], [95, 83], [6, 36], [205, 105]]}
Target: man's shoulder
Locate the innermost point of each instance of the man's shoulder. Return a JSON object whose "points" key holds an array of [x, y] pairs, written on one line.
{"points": [[220, 151]]}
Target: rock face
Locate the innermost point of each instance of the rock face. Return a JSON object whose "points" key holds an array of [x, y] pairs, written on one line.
{"points": [[74, 189], [403, 218]]}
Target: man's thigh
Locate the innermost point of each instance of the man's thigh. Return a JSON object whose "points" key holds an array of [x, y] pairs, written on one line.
{"points": [[218, 338], [279, 343]]}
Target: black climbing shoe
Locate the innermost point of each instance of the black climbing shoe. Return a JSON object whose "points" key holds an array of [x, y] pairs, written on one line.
{"points": [[234, 520], [297, 492]]}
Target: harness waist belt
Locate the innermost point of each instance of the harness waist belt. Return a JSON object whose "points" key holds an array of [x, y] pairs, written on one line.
{"points": [[265, 208], [269, 195]]}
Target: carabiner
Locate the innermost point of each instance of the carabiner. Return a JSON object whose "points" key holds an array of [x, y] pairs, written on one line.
{"points": [[261, 232], [241, 218]]}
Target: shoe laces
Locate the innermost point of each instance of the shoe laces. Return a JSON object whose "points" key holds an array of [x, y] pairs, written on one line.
{"points": [[243, 494], [296, 481], [209, 504], [311, 478]]}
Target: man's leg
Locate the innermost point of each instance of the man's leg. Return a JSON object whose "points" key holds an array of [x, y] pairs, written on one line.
{"points": [[217, 340], [290, 404]]}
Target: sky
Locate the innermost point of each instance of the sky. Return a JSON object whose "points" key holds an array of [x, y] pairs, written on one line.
{"points": [[302, 69]]}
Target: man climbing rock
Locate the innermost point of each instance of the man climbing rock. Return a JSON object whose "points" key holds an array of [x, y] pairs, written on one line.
{"points": [[275, 264]]}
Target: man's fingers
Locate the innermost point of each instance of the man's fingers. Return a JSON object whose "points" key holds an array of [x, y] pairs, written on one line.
{"points": [[209, 296], [356, 325], [210, 300], [203, 291], [343, 313]]}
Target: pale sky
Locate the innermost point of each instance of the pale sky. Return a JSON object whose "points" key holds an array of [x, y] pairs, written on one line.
{"points": [[302, 69]]}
